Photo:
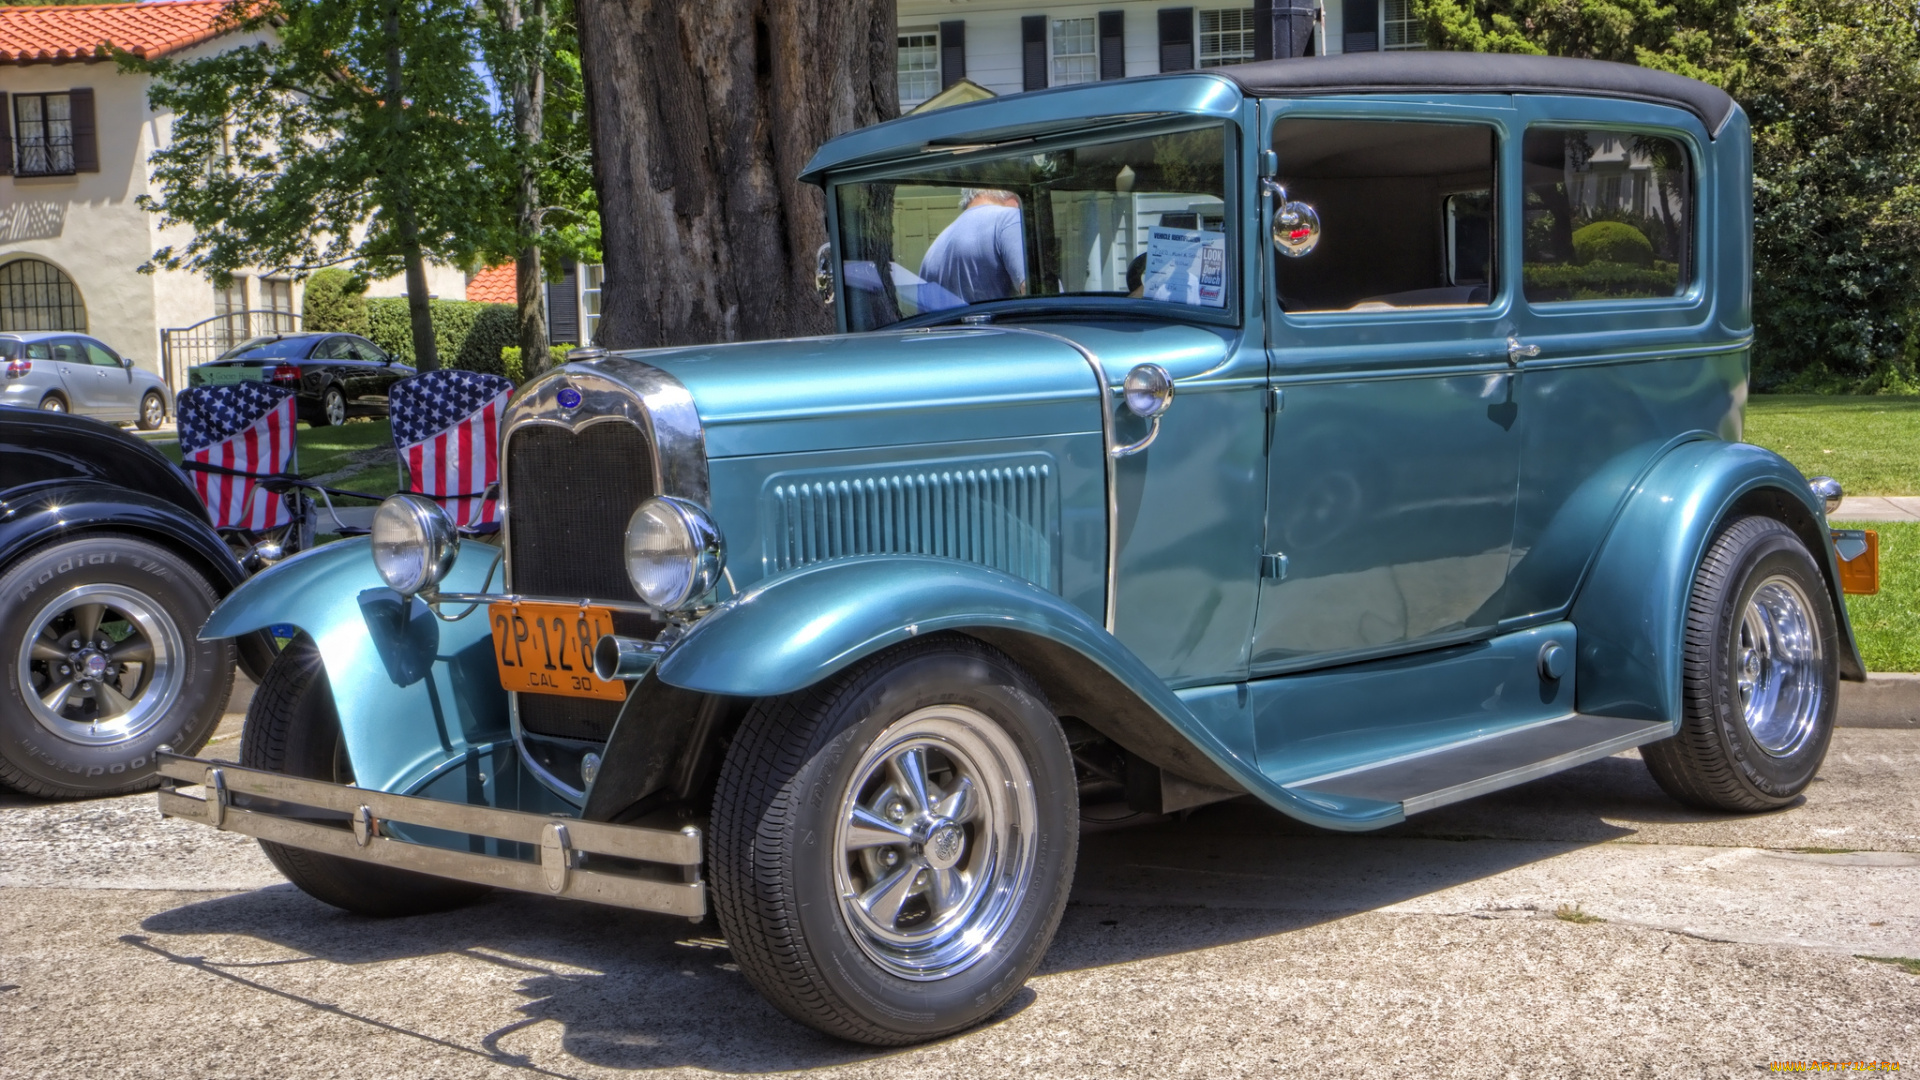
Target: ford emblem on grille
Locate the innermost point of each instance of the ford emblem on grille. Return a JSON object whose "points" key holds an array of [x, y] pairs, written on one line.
{"points": [[569, 398]]}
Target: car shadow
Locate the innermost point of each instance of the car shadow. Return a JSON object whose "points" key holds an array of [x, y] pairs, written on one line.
{"points": [[637, 991]]}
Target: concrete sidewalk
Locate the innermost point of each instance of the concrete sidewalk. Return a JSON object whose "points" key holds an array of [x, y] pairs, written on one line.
{"points": [[1878, 508]]}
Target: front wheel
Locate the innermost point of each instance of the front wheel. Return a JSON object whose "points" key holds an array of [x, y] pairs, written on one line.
{"points": [[102, 665], [1762, 674], [892, 849], [292, 728]]}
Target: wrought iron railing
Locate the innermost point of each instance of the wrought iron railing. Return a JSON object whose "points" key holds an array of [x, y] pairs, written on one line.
{"points": [[43, 156], [183, 347]]}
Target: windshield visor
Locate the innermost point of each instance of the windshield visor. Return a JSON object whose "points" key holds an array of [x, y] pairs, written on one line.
{"points": [[1140, 218]]}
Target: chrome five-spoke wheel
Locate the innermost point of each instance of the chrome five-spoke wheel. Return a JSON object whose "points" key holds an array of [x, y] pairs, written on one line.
{"points": [[102, 662], [935, 837], [1779, 667]]}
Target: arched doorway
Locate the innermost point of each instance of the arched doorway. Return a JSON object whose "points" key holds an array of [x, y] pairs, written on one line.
{"points": [[36, 295]]}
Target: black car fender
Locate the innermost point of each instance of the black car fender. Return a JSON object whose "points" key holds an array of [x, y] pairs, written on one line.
{"points": [[34, 516]]}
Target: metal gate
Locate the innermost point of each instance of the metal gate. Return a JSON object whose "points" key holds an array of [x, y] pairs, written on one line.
{"points": [[185, 346]]}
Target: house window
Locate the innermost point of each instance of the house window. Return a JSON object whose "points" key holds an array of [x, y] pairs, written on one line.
{"points": [[231, 300], [591, 277], [43, 134], [1076, 52], [1226, 36], [35, 295], [1402, 28], [919, 66], [276, 295]]}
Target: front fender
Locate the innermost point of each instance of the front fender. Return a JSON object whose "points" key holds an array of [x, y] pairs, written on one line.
{"points": [[1632, 609], [416, 696], [792, 631], [53, 511]]}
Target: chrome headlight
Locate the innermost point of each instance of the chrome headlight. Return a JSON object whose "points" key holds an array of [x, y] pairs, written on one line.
{"points": [[414, 542], [1148, 391], [674, 552], [1827, 490]]}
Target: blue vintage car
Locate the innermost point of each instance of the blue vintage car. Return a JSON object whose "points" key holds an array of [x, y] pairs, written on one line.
{"points": [[1358, 434]]}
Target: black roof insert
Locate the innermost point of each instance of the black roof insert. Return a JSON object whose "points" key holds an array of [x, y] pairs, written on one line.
{"points": [[1413, 72]]}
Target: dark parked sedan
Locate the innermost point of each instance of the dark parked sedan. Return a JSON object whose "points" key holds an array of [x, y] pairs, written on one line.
{"points": [[334, 376]]}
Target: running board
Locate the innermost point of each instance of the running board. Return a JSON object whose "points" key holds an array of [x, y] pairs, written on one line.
{"points": [[1461, 771]]}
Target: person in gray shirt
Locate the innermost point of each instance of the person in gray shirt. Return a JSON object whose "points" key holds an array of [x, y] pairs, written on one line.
{"points": [[981, 256]]}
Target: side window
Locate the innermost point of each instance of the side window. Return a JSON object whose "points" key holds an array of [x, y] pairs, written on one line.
{"points": [[99, 355], [366, 350], [334, 348], [39, 350], [1406, 214], [68, 351], [1609, 215]]}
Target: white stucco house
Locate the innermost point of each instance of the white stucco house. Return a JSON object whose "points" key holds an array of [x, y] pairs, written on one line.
{"points": [[75, 136], [1007, 46]]}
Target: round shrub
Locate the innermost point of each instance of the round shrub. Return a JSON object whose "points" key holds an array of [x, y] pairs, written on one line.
{"points": [[1612, 242]]}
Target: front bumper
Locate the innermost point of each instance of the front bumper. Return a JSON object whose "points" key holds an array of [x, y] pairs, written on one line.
{"points": [[621, 865]]}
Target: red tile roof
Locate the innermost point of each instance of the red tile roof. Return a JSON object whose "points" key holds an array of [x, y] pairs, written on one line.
{"points": [[495, 285], [79, 32]]}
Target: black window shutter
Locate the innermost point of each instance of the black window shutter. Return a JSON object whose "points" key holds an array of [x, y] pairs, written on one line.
{"points": [[6, 137], [1113, 45], [1176, 39], [953, 52], [1263, 29], [1033, 51], [1362, 30], [563, 309], [86, 145]]}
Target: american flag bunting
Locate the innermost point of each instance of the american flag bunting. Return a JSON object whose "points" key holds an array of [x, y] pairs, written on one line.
{"points": [[247, 427], [446, 425]]}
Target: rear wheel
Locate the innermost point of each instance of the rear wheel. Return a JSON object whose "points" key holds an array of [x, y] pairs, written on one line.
{"points": [[1762, 674], [892, 849], [333, 407], [292, 728], [53, 403], [153, 411]]}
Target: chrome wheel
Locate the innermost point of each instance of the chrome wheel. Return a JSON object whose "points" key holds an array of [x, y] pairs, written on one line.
{"points": [[1778, 667], [153, 412], [335, 404], [52, 403], [104, 663], [934, 842]]}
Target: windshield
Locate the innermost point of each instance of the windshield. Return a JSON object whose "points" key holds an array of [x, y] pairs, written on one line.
{"points": [[269, 349], [1140, 218]]}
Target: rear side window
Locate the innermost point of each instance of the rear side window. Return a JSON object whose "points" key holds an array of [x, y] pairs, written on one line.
{"points": [[1609, 215], [68, 351], [8, 348], [1406, 214]]}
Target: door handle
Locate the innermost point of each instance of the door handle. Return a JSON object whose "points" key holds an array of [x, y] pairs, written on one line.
{"points": [[1517, 352]]}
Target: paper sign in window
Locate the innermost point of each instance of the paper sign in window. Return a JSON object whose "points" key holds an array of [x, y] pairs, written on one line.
{"points": [[1186, 266]]}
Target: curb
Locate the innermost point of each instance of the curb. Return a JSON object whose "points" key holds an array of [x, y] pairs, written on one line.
{"points": [[1885, 700]]}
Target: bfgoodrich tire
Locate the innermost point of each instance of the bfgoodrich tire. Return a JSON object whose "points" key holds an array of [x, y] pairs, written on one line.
{"points": [[292, 728], [1761, 674], [892, 849], [102, 666]]}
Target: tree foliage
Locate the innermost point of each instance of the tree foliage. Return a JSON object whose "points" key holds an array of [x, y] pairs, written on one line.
{"points": [[1832, 88], [363, 136]]}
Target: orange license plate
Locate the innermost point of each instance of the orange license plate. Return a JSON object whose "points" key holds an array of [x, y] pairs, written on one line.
{"points": [[1859, 551], [548, 649]]}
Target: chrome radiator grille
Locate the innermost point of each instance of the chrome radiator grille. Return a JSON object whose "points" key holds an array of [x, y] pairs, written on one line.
{"points": [[1003, 515], [569, 496]]}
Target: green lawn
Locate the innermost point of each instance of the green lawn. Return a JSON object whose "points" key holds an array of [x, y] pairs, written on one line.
{"points": [[1887, 624], [1870, 444]]}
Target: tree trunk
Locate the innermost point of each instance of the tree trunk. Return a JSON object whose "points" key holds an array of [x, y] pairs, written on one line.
{"points": [[702, 113], [529, 107], [399, 204]]}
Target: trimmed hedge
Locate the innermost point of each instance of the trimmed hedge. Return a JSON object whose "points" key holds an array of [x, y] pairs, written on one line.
{"points": [[333, 303], [467, 335], [1600, 280], [1612, 242]]}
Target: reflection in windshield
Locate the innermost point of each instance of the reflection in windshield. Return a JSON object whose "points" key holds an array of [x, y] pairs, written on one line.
{"points": [[268, 349], [1138, 218]]}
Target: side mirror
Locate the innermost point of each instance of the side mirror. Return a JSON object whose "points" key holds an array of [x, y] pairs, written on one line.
{"points": [[1296, 225], [126, 361]]}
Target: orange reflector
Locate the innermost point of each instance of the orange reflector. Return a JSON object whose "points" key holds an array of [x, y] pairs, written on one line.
{"points": [[1859, 551]]}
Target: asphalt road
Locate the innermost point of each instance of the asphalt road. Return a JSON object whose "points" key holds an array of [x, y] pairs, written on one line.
{"points": [[1230, 943]]}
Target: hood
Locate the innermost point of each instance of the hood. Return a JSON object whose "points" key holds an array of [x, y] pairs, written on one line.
{"points": [[946, 384]]}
